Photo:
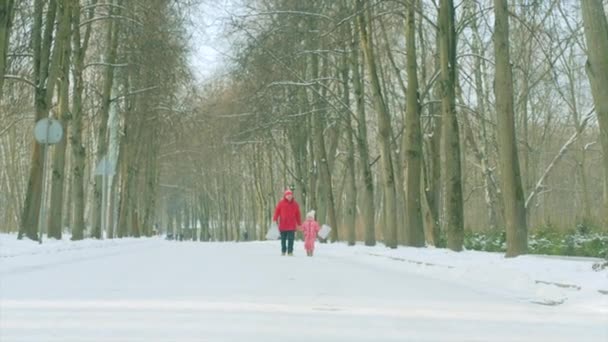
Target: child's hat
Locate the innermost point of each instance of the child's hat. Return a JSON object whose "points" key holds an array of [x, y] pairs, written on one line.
{"points": [[311, 214]]}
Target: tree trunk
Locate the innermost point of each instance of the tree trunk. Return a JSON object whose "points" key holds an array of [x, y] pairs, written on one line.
{"points": [[432, 146], [123, 204], [480, 147], [102, 136], [113, 206], [351, 187], [454, 215], [204, 218], [432, 185], [321, 153], [45, 75], [299, 133], [367, 196], [433, 163], [151, 177], [596, 34], [7, 8], [412, 141], [258, 170], [12, 175], [513, 195], [57, 189], [313, 169], [587, 216], [384, 127], [78, 151]]}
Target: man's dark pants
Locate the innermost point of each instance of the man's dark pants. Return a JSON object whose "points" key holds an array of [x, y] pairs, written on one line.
{"points": [[287, 241]]}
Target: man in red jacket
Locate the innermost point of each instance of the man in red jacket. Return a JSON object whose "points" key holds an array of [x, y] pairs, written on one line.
{"points": [[288, 215]]}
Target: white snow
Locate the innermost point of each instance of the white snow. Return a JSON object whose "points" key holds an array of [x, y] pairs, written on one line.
{"points": [[157, 290]]}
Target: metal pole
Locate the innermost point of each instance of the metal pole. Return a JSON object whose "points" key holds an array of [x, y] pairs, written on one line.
{"points": [[115, 207], [41, 213], [104, 200]]}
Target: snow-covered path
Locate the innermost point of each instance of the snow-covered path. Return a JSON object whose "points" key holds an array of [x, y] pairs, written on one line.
{"points": [[155, 290]]}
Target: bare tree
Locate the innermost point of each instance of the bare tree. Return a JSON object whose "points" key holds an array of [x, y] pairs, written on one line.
{"points": [[322, 158], [596, 34], [79, 48], [367, 196], [412, 140], [7, 8], [351, 184], [513, 195], [112, 39], [46, 67], [384, 126], [454, 216], [58, 175]]}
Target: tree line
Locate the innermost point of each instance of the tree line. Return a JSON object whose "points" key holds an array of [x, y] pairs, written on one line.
{"points": [[406, 122]]}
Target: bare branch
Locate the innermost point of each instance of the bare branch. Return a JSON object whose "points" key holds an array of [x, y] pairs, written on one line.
{"points": [[86, 22], [539, 185], [106, 64], [302, 13], [20, 79], [135, 92]]}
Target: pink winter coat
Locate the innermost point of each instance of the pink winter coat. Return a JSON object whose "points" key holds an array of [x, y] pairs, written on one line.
{"points": [[310, 228]]}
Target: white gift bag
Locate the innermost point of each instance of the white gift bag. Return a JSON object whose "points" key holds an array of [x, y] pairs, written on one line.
{"points": [[324, 231], [273, 232]]}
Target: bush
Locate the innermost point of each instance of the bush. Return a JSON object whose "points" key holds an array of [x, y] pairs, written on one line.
{"points": [[582, 241], [493, 241]]}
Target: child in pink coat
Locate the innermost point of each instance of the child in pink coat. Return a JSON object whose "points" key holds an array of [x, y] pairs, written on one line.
{"points": [[310, 228]]}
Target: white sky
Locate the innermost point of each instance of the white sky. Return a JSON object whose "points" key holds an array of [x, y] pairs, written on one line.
{"points": [[209, 48]]}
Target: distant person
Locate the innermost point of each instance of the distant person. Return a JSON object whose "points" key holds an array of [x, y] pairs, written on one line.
{"points": [[287, 215], [310, 228]]}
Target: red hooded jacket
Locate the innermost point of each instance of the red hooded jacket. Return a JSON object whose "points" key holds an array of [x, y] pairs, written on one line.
{"points": [[288, 215]]}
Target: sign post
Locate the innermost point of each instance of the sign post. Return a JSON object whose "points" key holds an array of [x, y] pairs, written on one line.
{"points": [[105, 168], [47, 132]]}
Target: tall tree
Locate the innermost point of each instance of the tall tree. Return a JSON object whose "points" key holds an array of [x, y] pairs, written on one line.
{"points": [[596, 34], [367, 196], [481, 145], [384, 125], [513, 194], [412, 140], [112, 39], [351, 185], [7, 8], [432, 141], [58, 174], [319, 123], [79, 48], [452, 177], [46, 67]]}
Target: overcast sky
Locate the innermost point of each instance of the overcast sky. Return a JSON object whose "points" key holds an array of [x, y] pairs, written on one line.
{"points": [[209, 48]]}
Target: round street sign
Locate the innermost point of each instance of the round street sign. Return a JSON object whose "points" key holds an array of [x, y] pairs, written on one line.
{"points": [[48, 131]]}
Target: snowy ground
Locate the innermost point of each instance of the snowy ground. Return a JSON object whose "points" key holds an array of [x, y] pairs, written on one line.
{"points": [[156, 290]]}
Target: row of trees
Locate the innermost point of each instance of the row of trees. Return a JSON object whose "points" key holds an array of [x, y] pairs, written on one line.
{"points": [[111, 71], [404, 122]]}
